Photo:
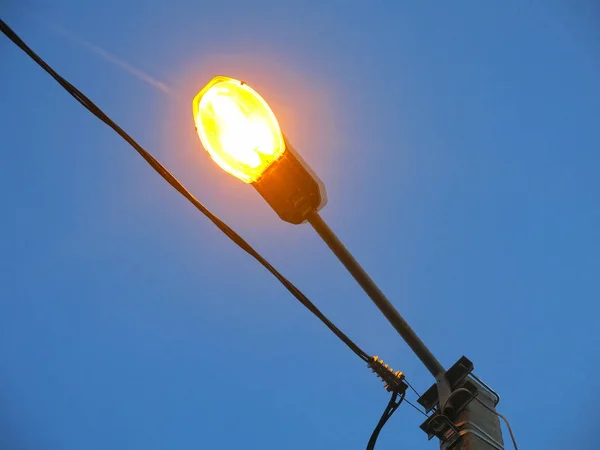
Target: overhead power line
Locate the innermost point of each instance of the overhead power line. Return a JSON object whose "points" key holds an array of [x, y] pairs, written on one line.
{"points": [[177, 185]]}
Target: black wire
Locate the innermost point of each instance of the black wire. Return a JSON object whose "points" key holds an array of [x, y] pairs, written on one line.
{"points": [[418, 395], [167, 176], [415, 407], [390, 409], [413, 389]]}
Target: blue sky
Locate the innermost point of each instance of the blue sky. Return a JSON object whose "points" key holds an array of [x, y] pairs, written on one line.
{"points": [[459, 143]]}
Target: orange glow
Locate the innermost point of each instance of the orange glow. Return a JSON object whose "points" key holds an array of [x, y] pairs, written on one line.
{"points": [[237, 128]]}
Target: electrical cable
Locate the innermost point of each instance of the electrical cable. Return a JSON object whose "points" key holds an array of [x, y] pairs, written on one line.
{"points": [[512, 436], [390, 409], [413, 389], [418, 395], [176, 184], [415, 407]]}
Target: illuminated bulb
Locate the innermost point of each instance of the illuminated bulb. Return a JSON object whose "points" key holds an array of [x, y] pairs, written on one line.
{"points": [[237, 128]]}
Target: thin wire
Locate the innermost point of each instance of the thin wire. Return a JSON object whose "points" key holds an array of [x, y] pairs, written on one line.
{"points": [[414, 390], [512, 436], [415, 407], [176, 184], [390, 409], [418, 395]]}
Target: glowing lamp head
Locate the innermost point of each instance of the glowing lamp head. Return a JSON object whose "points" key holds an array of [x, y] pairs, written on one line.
{"points": [[237, 128]]}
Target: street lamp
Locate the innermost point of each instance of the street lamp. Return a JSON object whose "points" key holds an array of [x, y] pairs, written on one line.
{"points": [[239, 130], [241, 133]]}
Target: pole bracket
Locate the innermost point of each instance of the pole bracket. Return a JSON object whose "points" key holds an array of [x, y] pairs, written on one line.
{"points": [[455, 375], [441, 423]]}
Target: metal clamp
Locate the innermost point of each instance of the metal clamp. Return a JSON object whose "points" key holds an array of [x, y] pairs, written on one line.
{"points": [[465, 427]]}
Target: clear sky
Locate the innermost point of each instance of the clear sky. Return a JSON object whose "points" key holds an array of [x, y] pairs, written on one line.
{"points": [[460, 146]]}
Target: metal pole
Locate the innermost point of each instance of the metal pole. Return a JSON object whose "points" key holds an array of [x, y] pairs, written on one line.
{"points": [[478, 423], [381, 301]]}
